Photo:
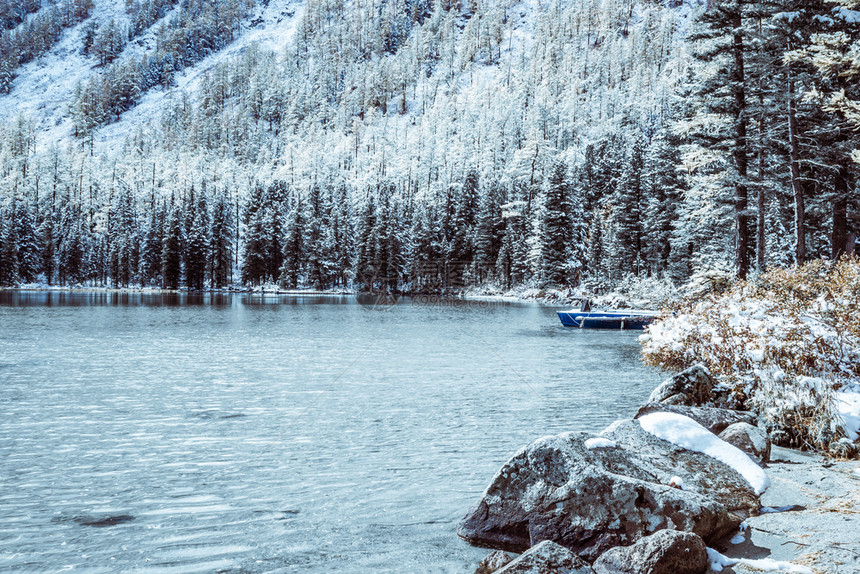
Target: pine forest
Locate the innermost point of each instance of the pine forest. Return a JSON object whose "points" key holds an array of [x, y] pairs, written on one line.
{"points": [[424, 146]]}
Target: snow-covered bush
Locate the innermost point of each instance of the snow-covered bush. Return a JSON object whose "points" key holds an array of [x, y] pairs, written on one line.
{"points": [[786, 344], [633, 291]]}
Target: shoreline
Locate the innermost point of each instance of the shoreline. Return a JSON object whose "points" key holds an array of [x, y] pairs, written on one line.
{"points": [[817, 532], [803, 520]]}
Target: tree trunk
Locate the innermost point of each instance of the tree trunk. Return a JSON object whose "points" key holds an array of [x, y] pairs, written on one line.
{"points": [[839, 236], [794, 153], [742, 254]]}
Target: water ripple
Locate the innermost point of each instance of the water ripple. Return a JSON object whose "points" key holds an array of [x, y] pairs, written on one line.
{"points": [[141, 437]]}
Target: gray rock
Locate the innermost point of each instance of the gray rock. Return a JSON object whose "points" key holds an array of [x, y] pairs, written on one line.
{"points": [[700, 473], [590, 500], [692, 387], [714, 419], [750, 439], [547, 558], [493, 562], [665, 552]]}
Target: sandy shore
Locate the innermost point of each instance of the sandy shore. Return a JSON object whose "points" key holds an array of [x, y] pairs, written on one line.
{"points": [[823, 533]]}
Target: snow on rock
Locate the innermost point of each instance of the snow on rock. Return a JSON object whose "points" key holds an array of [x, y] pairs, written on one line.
{"points": [[599, 442], [718, 562], [676, 482], [687, 433]]}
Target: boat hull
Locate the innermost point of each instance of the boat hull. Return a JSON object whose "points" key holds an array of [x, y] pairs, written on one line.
{"points": [[605, 320]]}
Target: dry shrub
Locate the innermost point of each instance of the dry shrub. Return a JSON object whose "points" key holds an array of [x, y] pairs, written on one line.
{"points": [[783, 343]]}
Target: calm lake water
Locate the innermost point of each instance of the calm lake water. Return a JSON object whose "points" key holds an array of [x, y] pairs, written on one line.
{"points": [[169, 433]]}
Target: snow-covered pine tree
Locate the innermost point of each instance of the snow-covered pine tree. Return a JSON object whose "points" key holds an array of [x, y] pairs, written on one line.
{"points": [[625, 245], [824, 62], [125, 245], [49, 247], [71, 249], [467, 202], [317, 259], [295, 252], [389, 233], [221, 231], [662, 186], [367, 245], [152, 245], [171, 254], [29, 256], [557, 261], [426, 256], [489, 231], [340, 236], [8, 249], [255, 245], [195, 246], [721, 122]]}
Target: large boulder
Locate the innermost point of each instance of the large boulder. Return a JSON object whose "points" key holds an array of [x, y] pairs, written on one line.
{"points": [[699, 473], [665, 552], [750, 439], [593, 499], [692, 387], [547, 558], [714, 419]]}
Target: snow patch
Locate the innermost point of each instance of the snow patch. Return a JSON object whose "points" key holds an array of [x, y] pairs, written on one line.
{"points": [[739, 538], [599, 442], [676, 482], [718, 562], [848, 405], [687, 433]]}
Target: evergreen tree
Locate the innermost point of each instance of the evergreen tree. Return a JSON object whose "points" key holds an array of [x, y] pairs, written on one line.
{"points": [[171, 253], [426, 255], [71, 248], [295, 254], [489, 232], [220, 242], [49, 247], [29, 256], [367, 246], [721, 44], [153, 245], [340, 239], [125, 245], [662, 186], [255, 246], [318, 252], [462, 249], [196, 243], [558, 266], [8, 250], [626, 243]]}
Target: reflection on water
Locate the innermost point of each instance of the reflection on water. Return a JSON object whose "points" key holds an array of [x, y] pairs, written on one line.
{"points": [[270, 433]]}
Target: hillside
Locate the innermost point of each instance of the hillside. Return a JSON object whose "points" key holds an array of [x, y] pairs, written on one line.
{"points": [[355, 144]]}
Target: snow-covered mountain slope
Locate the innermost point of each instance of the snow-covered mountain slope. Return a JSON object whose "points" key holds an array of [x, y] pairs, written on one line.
{"points": [[44, 88]]}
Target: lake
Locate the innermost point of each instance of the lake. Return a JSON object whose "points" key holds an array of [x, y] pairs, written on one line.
{"points": [[260, 433]]}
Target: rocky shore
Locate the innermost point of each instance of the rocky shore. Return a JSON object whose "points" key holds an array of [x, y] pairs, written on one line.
{"points": [[687, 486]]}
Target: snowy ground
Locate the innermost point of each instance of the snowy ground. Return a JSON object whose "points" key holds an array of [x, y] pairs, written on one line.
{"points": [[821, 533]]}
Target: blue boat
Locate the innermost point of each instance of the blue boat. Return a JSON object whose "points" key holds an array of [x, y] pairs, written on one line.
{"points": [[621, 319]]}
